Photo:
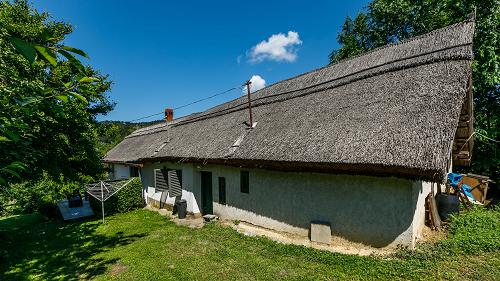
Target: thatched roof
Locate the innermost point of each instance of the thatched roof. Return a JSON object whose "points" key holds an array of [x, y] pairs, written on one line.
{"points": [[392, 111]]}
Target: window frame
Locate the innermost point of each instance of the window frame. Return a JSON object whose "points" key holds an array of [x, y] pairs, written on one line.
{"points": [[245, 182], [222, 191], [134, 171]]}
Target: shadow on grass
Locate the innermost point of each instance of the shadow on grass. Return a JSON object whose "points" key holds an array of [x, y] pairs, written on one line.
{"points": [[31, 248]]}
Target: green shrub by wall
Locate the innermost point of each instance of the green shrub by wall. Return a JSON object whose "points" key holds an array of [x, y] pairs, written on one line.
{"points": [[474, 231], [127, 199]]}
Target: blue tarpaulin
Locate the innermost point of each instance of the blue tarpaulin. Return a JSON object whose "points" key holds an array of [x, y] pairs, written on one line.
{"points": [[455, 179]]}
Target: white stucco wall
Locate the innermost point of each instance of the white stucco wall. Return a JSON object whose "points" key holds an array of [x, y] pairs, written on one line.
{"points": [[188, 184], [424, 188], [373, 210]]}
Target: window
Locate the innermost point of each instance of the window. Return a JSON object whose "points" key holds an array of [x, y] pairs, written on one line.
{"points": [[134, 171], [244, 181], [222, 190], [179, 174], [175, 183], [111, 168], [169, 180], [161, 182]]}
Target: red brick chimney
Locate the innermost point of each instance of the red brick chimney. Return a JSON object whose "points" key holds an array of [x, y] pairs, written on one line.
{"points": [[169, 114]]}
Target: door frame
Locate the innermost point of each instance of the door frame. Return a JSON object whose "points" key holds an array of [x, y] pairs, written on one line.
{"points": [[206, 185]]}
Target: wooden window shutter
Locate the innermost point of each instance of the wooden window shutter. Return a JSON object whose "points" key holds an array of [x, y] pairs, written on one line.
{"points": [[175, 182], [161, 183]]}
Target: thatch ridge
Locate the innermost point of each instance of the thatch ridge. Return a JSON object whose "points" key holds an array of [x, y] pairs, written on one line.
{"points": [[243, 105], [406, 41]]}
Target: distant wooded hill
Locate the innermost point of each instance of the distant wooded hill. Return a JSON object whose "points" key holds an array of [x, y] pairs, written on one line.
{"points": [[113, 132]]}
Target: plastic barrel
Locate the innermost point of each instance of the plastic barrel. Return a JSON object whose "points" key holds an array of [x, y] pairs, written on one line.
{"points": [[447, 205], [181, 208]]}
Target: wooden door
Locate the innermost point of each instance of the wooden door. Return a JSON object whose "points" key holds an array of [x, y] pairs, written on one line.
{"points": [[206, 193]]}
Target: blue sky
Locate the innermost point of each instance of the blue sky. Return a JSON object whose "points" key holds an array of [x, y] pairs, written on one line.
{"points": [[168, 53]]}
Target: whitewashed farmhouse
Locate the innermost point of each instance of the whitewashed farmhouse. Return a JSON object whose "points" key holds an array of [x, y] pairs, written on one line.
{"points": [[356, 144]]}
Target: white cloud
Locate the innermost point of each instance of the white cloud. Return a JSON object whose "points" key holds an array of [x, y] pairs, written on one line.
{"points": [[257, 84], [279, 47]]}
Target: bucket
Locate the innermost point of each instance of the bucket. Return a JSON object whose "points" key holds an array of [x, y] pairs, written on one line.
{"points": [[181, 208]]}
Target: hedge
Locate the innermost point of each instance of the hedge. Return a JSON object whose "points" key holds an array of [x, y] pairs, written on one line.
{"points": [[127, 199]]}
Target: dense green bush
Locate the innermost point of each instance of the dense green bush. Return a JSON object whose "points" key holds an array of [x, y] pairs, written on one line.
{"points": [[35, 196], [473, 231], [43, 195], [127, 199]]}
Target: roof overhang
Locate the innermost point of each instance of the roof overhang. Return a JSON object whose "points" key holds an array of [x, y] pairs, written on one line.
{"points": [[360, 169], [139, 165]]}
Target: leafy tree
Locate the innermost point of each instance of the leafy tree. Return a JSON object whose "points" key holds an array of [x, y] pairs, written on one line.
{"points": [[48, 99], [388, 21], [112, 132]]}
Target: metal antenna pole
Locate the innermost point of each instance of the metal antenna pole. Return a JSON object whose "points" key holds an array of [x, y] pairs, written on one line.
{"points": [[249, 102], [102, 201]]}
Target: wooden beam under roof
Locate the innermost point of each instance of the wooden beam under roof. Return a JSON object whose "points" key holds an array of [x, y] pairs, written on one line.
{"points": [[464, 139]]}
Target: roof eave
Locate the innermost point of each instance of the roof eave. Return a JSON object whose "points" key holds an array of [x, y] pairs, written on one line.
{"points": [[126, 163], [362, 169]]}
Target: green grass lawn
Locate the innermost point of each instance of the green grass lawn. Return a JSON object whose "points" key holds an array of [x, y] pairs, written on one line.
{"points": [[142, 245]]}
